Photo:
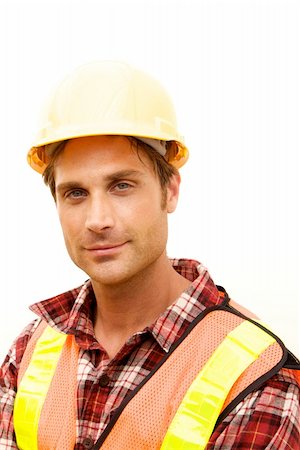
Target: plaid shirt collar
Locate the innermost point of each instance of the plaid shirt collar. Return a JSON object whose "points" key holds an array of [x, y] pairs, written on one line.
{"points": [[72, 312]]}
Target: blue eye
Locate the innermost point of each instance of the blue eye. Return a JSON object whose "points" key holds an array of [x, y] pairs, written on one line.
{"points": [[122, 186], [77, 193]]}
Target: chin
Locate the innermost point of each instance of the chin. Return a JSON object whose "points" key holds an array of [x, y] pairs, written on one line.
{"points": [[108, 275], [119, 271], [110, 280]]}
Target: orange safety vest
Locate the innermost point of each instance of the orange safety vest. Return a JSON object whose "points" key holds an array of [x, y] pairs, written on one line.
{"points": [[144, 419]]}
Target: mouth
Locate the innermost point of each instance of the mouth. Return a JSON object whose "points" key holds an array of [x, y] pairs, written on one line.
{"points": [[105, 249]]}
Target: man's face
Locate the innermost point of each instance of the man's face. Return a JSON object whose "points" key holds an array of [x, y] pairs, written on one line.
{"points": [[109, 202]]}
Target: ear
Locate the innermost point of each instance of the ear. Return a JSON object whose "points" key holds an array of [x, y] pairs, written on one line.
{"points": [[173, 193]]}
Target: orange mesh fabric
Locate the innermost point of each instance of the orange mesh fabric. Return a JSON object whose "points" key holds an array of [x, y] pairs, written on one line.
{"points": [[145, 420], [57, 425]]}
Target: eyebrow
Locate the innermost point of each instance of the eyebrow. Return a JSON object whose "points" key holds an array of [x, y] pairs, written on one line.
{"points": [[120, 174], [123, 174]]}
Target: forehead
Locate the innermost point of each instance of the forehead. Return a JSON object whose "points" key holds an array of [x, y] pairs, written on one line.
{"points": [[101, 153]]}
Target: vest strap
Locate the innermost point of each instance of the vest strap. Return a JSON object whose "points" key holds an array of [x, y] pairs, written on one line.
{"points": [[197, 414], [34, 386]]}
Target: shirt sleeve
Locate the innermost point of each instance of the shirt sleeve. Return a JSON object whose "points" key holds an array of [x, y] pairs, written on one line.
{"points": [[8, 386], [266, 419]]}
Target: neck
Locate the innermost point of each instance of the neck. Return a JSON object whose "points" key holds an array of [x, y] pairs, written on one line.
{"points": [[124, 309]]}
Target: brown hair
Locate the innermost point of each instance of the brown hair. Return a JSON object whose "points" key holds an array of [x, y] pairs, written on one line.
{"points": [[163, 170]]}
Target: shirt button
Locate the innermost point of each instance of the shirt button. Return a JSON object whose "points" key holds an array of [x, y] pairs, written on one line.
{"points": [[104, 380], [88, 442]]}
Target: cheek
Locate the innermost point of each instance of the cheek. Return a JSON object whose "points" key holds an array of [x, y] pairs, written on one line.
{"points": [[147, 213], [70, 225], [152, 224]]}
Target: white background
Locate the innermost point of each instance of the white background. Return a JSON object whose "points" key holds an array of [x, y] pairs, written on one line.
{"points": [[232, 68]]}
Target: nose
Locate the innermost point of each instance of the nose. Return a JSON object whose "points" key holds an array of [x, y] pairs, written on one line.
{"points": [[100, 214]]}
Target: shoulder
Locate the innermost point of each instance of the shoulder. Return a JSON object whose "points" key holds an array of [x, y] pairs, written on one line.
{"points": [[267, 418], [16, 351], [279, 396]]}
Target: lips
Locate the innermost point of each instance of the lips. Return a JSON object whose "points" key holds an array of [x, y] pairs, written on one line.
{"points": [[105, 247], [107, 250]]}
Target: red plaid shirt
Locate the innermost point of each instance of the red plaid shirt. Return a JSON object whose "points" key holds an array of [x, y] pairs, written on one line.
{"points": [[268, 418]]}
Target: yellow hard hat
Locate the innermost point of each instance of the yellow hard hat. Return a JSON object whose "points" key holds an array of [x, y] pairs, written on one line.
{"points": [[108, 98]]}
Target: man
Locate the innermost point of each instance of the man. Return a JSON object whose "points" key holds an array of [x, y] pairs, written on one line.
{"points": [[149, 353]]}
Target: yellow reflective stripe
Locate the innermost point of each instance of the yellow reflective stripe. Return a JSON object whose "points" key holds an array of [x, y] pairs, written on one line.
{"points": [[196, 416], [34, 386]]}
